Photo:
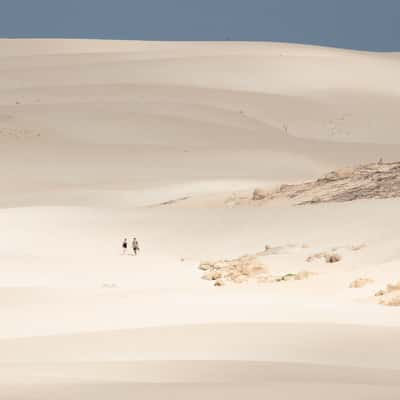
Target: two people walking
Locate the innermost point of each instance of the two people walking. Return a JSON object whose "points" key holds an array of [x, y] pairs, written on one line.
{"points": [[135, 246]]}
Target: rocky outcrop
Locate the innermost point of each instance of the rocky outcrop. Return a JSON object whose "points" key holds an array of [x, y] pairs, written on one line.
{"points": [[249, 268], [239, 270], [371, 181]]}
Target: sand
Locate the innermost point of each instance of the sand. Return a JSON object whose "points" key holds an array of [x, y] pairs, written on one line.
{"points": [[102, 140]]}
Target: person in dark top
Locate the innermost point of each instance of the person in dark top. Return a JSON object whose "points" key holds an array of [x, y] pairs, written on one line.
{"points": [[124, 246]]}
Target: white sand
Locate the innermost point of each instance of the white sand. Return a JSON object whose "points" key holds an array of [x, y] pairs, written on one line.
{"points": [[93, 135]]}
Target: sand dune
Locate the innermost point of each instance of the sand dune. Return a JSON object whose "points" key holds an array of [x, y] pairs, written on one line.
{"points": [[314, 344], [102, 140], [76, 362], [199, 391]]}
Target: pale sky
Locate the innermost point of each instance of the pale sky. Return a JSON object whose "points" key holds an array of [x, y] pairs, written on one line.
{"points": [[357, 24]]}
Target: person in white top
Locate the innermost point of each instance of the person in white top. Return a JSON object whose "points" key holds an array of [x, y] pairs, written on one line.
{"points": [[135, 246]]}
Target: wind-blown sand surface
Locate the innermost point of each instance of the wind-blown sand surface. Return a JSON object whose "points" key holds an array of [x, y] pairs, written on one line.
{"points": [[101, 140]]}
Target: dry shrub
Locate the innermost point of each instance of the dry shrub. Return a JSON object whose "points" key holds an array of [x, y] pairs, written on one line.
{"points": [[390, 296], [315, 200], [260, 194], [239, 279], [205, 266], [302, 275], [286, 278], [329, 257], [360, 283], [393, 287], [332, 258], [212, 276], [358, 247], [391, 301]]}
